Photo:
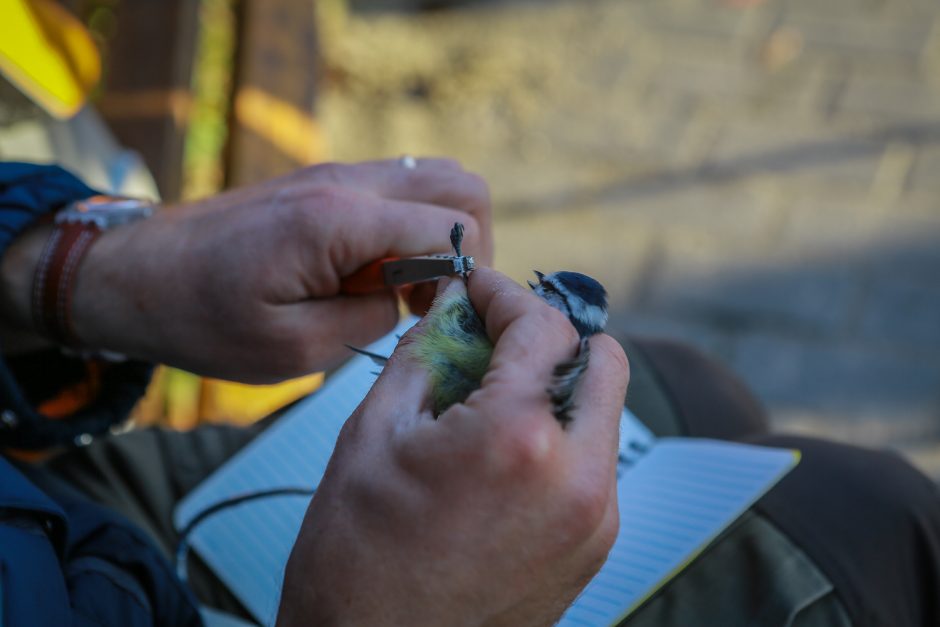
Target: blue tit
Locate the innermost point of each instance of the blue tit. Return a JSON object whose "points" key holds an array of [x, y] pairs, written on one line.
{"points": [[456, 351]]}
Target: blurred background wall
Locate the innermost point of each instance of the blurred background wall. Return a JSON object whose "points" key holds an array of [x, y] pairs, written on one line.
{"points": [[759, 178]]}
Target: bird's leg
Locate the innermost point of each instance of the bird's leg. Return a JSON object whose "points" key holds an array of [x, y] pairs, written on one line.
{"points": [[456, 239]]}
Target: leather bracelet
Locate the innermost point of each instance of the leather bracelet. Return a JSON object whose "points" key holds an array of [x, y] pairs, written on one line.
{"points": [[54, 281]]}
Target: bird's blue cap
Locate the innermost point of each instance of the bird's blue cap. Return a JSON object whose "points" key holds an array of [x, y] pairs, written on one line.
{"points": [[582, 298], [587, 288]]}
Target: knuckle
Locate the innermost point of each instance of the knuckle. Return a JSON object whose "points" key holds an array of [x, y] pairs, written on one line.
{"points": [[614, 352], [479, 186], [600, 545], [444, 163], [586, 509], [410, 337], [350, 432], [303, 212], [607, 534], [325, 212], [472, 194], [524, 448], [328, 173], [329, 196]]}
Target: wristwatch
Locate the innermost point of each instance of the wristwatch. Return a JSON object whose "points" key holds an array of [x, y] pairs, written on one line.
{"points": [[105, 212], [77, 226]]}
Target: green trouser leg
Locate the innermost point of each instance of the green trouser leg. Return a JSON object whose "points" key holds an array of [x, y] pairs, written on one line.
{"points": [[752, 574]]}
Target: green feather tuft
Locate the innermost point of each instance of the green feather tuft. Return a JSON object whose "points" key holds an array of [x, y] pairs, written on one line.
{"points": [[455, 350]]}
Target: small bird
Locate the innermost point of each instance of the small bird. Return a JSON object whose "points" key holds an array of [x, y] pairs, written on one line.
{"points": [[456, 351]]}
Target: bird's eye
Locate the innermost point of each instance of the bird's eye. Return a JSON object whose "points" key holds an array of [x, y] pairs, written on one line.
{"points": [[548, 287]]}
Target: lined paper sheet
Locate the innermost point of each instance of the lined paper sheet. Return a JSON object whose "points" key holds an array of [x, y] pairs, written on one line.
{"points": [[673, 502], [675, 496], [247, 546]]}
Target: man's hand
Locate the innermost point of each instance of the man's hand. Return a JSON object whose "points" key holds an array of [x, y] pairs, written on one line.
{"points": [[492, 514], [245, 285]]}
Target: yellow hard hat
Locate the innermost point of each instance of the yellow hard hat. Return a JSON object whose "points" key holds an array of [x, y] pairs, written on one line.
{"points": [[47, 53]]}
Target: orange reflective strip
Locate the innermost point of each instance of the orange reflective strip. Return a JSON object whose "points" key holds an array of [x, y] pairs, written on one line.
{"points": [[148, 103], [75, 397], [288, 128]]}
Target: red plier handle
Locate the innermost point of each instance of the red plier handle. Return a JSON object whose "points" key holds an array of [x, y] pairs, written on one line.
{"points": [[395, 272]]}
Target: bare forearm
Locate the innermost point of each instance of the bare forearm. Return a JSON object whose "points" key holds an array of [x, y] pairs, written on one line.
{"points": [[102, 296], [245, 286]]}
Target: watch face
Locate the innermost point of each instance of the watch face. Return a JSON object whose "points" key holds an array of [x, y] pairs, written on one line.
{"points": [[105, 211], [109, 203]]}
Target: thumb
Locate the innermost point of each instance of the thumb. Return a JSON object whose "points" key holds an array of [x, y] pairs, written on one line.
{"points": [[406, 379]]}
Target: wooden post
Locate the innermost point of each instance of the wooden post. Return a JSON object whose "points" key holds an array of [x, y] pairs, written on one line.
{"points": [[272, 129], [146, 90]]}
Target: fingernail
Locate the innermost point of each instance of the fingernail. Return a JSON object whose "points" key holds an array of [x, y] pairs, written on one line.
{"points": [[448, 283]]}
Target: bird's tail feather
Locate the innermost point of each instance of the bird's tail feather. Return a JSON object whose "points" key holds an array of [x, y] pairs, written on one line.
{"points": [[379, 360], [565, 380]]}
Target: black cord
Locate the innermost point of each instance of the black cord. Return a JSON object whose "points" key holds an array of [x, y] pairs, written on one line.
{"points": [[182, 546]]}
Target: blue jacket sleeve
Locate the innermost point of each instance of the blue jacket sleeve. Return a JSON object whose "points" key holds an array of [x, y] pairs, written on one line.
{"points": [[27, 192], [67, 561]]}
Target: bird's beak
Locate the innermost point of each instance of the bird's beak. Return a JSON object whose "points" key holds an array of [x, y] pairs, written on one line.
{"points": [[539, 276]]}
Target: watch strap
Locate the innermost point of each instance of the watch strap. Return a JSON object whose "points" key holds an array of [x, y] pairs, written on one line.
{"points": [[54, 281]]}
